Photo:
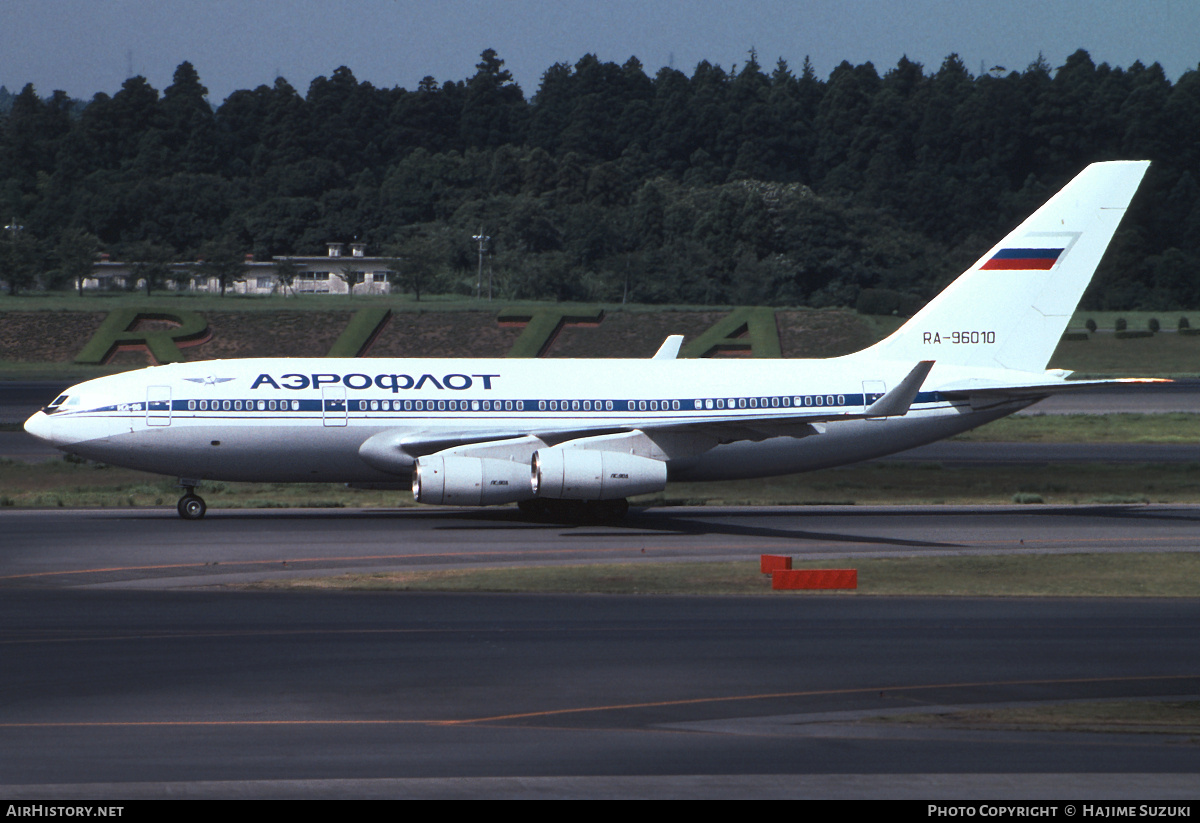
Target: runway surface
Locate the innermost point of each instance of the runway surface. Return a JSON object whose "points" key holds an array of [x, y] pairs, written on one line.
{"points": [[153, 548], [120, 681]]}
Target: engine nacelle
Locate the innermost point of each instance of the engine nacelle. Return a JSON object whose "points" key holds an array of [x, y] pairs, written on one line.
{"points": [[470, 481], [593, 474]]}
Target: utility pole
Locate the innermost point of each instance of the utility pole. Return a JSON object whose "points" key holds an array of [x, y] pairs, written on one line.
{"points": [[13, 264], [482, 240]]}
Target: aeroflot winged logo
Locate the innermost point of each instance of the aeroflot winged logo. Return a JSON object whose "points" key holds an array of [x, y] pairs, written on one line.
{"points": [[208, 381], [389, 382], [1023, 260]]}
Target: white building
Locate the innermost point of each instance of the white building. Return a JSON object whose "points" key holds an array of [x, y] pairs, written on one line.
{"points": [[331, 273]]}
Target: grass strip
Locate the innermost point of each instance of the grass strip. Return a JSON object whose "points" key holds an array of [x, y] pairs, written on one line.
{"points": [[1174, 427], [1025, 575], [1180, 717]]}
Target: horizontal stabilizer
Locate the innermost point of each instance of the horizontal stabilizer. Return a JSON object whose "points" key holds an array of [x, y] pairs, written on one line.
{"points": [[669, 350], [898, 401]]}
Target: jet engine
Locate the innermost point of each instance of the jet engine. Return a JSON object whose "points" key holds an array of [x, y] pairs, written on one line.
{"points": [[469, 481], [593, 474]]}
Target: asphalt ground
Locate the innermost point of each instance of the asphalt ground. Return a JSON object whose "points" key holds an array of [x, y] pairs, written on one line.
{"points": [[154, 548], [120, 694], [121, 679]]}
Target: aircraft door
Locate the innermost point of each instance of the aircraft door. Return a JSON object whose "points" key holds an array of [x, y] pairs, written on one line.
{"points": [[158, 405], [333, 405], [872, 391]]}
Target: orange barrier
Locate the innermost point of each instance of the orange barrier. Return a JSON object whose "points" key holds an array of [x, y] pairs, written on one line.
{"points": [[768, 563], [814, 579]]}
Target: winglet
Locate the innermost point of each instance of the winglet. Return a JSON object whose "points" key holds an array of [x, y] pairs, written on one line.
{"points": [[669, 350], [896, 403]]}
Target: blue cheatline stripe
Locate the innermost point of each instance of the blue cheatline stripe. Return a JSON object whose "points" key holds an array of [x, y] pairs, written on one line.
{"points": [[407, 406]]}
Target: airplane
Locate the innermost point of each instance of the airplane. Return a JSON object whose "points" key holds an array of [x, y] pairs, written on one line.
{"points": [[575, 439]]}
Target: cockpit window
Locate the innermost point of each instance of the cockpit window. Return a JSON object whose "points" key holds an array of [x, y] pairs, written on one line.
{"points": [[63, 400]]}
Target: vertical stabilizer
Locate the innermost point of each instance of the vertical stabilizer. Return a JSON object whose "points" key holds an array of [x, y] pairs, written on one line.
{"points": [[1010, 309]]}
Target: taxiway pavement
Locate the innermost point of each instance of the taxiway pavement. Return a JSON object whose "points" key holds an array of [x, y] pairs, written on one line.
{"points": [[121, 679]]}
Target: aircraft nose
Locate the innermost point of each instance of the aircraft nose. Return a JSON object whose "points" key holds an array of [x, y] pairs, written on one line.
{"points": [[41, 426]]}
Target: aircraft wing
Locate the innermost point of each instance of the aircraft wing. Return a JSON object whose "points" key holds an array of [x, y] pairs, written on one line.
{"points": [[398, 448]]}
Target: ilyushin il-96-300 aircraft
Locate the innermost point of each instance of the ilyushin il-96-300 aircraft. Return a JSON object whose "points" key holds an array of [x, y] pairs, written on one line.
{"points": [[576, 438]]}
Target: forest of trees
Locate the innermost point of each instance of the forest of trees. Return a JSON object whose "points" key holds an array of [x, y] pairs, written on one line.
{"points": [[747, 186]]}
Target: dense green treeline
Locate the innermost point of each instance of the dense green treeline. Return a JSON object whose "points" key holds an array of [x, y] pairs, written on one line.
{"points": [[748, 186]]}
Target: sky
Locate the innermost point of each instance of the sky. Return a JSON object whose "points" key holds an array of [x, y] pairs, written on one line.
{"points": [[88, 46]]}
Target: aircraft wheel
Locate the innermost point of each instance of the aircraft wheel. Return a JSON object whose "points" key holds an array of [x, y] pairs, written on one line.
{"points": [[191, 507]]}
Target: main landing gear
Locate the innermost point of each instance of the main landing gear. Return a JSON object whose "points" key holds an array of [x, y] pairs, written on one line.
{"points": [[191, 505]]}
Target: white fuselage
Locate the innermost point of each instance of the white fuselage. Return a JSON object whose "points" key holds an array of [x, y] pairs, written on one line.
{"points": [[296, 420]]}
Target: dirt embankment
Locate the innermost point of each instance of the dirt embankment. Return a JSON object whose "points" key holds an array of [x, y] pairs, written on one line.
{"points": [[57, 337]]}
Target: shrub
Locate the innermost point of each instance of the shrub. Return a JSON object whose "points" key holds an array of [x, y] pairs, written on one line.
{"points": [[1120, 324], [1091, 325], [1153, 324], [886, 301], [1183, 323]]}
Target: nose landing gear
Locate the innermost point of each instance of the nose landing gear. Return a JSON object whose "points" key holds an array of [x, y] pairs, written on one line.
{"points": [[191, 505]]}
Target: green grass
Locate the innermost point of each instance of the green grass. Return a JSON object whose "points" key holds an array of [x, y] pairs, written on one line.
{"points": [[1128, 717], [1106, 321], [1029, 575], [1165, 354], [1089, 428], [897, 483], [68, 483], [66, 372]]}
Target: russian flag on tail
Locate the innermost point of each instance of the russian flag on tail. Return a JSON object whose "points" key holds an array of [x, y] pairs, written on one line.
{"points": [[1022, 260]]}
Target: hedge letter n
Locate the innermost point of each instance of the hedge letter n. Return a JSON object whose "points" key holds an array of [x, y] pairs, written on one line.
{"points": [[162, 345]]}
